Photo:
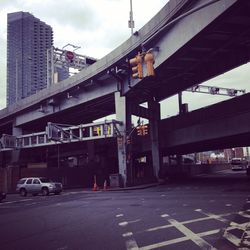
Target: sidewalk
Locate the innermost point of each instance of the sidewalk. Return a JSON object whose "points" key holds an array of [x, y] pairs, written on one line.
{"points": [[114, 189]]}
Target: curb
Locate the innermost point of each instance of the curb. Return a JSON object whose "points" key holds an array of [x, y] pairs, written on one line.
{"points": [[134, 187]]}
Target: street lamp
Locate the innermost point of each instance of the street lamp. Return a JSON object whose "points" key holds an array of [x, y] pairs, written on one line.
{"points": [[131, 23]]}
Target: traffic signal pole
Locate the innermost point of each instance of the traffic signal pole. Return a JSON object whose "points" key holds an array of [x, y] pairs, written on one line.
{"points": [[154, 118]]}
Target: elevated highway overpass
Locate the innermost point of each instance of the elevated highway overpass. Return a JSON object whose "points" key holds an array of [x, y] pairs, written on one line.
{"points": [[219, 126], [192, 41], [202, 43]]}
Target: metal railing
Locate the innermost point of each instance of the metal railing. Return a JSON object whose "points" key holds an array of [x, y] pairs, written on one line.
{"points": [[62, 133]]}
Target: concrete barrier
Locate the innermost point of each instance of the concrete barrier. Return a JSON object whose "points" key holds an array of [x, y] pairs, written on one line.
{"points": [[191, 170]]}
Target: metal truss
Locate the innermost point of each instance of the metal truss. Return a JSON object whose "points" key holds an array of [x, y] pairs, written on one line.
{"points": [[216, 90], [62, 133], [67, 60]]}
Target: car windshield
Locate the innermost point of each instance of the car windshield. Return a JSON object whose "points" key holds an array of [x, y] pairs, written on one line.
{"points": [[21, 181], [45, 180]]}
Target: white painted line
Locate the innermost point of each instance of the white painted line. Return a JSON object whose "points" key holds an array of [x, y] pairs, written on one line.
{"points": [[233, 239], [198, 210], [164, 243], [178, 240], [128, 234], [234, 225], [11, 202], [119, 215], [30, 204], [158, 228], [211, 232], [123, 224], [213, 216], [189, 221], [131, 245], [26, 200], [192, 236], [245, 214], [164, 215]]}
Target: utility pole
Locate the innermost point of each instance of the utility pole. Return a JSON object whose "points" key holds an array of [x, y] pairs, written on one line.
{"points": [[131, 23]]}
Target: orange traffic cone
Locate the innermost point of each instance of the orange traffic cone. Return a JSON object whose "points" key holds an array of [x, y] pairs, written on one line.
{"points": [[95, 188], [105, 186]]}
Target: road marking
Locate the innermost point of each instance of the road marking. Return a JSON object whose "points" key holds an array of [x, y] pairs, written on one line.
{"points": [[119, 215], [192, 236], [158, 228], [190, 221], [213, 216], [233, 239], [164, 215], [228, 205], [245, 214], [178, 240], [30, 204], [128, 234], [123, 224], [11, 202], [164, 243], [131, 245], [211, 232]]}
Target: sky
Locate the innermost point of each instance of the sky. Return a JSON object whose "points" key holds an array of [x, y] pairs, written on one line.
{"points": [[98, 27]]}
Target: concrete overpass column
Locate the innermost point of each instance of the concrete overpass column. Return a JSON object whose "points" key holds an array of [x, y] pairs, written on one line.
{"points": [[123, 114], [15, 154], [154, 118], [16, 131]]}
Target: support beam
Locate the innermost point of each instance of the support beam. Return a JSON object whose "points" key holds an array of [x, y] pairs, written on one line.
{"points": [[154, 118], [120, 110]]}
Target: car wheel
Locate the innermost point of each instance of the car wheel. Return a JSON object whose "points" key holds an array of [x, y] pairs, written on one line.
{"points": [[57, 193], [23, 192], [45, 191]]}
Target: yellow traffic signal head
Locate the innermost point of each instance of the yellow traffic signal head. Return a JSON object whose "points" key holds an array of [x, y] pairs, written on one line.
{"points": [[136, 64], [139, 130]]}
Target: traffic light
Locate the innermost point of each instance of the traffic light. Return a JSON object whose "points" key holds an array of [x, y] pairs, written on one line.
{"points": [[97, 131], [144, 129], [149, 60], [129, 141], [139, 130], [136, 63]]}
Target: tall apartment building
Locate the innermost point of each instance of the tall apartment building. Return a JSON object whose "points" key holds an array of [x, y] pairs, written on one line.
{"points": [[28, 39]]}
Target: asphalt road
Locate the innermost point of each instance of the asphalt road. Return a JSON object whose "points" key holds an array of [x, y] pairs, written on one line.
{"points": [[209, 212]]}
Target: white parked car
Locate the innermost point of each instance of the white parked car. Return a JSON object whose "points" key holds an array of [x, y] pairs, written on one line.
{"points": [[36, 185]]}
